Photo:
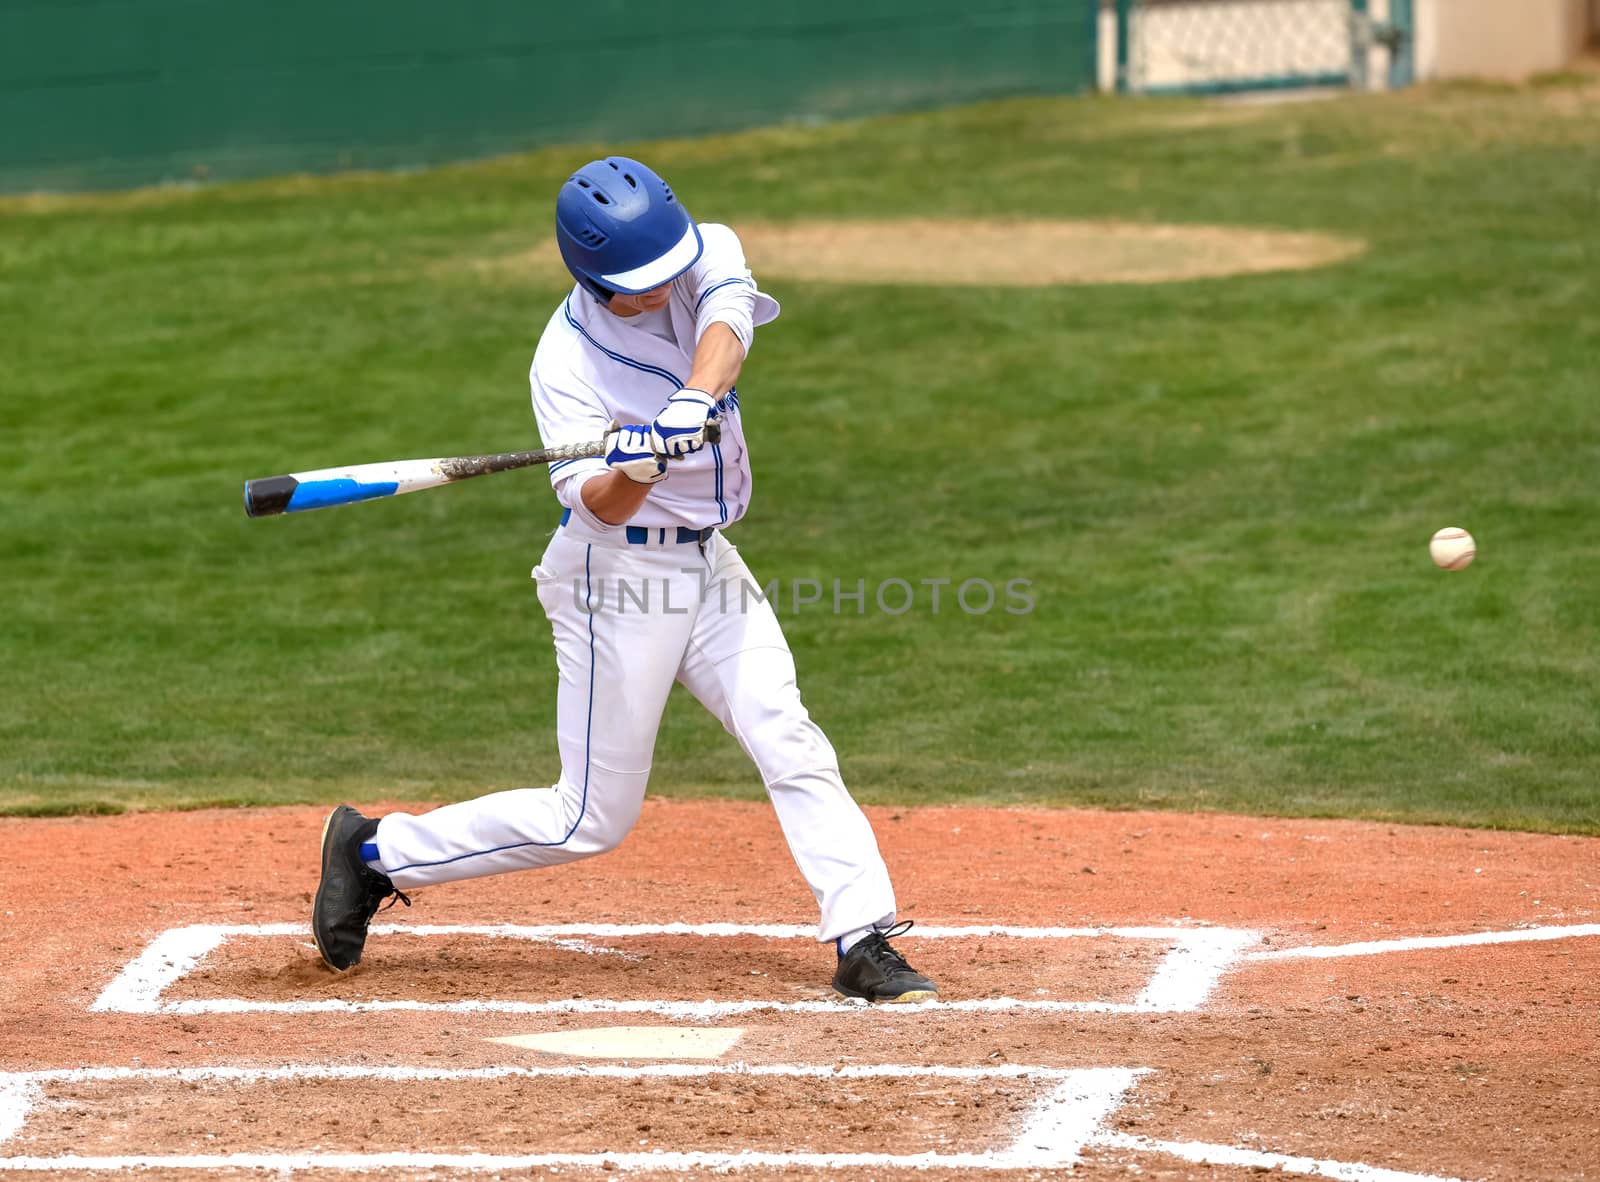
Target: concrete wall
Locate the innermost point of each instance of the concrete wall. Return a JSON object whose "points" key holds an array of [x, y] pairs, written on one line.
{"points": [[1499, 38]]}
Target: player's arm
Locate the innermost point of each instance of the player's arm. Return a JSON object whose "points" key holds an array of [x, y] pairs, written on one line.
{"points": [[728, 307], [680, 427], [613, 498], [616, 496], [608, 489], [717, 361]]}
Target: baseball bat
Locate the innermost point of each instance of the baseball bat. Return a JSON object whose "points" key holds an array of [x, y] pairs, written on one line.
{"points": [[296, 492]]}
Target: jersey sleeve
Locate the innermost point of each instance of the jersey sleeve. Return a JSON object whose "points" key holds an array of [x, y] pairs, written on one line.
{"points": [[567, 412], [725, 291]]}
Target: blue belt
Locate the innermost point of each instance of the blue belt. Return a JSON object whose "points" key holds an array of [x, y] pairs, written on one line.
{"points": [[639, 535]]}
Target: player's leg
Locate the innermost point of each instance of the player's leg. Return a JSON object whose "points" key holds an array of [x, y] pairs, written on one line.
{"points": [[616, 664], [738, 665]]}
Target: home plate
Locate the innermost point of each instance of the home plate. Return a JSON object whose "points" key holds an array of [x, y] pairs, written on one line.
{"points": [[632, 1042]]}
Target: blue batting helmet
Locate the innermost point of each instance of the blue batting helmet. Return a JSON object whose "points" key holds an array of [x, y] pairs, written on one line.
{"points": [[620, 229]]}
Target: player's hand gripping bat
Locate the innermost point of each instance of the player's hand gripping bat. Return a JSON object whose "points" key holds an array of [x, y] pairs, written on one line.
{"points": [[298, 491]]}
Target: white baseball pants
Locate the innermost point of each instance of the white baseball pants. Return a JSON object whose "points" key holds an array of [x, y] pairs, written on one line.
{"points": [[628, 621]]}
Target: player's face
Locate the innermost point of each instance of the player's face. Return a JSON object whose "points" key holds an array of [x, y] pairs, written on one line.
{"points": [[645, 301]]}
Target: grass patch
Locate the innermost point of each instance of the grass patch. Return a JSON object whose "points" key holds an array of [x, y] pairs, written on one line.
{"points": [[1220, 491]]}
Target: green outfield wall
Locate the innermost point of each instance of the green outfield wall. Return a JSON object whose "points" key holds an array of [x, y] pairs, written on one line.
{"points": [[115, 93]]}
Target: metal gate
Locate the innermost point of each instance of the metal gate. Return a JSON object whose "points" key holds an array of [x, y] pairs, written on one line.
{"points": [[1218, 46]]}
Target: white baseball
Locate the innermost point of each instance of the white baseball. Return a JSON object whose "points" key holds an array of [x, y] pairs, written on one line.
{"points": [[1453, 548]]}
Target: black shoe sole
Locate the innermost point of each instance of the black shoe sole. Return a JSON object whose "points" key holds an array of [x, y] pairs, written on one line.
{"points": [[316, 902]]}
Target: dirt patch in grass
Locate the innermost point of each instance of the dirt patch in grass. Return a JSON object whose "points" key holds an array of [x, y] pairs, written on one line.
{"points": [[956, 252], [1029, 254]]}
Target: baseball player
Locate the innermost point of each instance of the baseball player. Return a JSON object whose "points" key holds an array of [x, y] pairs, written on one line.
{"points": [[642, 588]]}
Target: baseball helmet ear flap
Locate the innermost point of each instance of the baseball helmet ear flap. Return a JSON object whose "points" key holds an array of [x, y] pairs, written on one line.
{"points": [[620, 229]]}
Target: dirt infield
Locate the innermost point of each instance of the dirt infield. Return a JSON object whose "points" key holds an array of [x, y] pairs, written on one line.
{"points": [[1152, 994]]}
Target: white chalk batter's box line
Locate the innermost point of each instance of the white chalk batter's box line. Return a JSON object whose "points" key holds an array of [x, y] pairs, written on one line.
{"points": [[1182, 980], [1067, 1120]]}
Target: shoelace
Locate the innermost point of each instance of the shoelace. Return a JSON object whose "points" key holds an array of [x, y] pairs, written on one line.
{"points": [[380, 888], [877, 947]]}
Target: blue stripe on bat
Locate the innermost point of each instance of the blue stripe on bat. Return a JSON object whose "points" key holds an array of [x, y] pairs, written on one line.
{"points": [[318, 494]]}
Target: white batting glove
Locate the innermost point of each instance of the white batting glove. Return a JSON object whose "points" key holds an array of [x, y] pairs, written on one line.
{"points": [[629, 451], [680, 426]]}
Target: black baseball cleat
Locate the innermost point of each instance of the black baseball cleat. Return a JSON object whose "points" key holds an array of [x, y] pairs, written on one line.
{"points": [[350, 892], [875, 971]]}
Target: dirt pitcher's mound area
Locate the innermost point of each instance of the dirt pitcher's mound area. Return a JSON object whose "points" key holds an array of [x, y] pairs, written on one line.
{"points": [[1028, 254], [956, 252], [1158, 995]]}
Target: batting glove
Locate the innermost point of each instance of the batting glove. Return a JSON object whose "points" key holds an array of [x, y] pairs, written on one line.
{"points": [[629, 451], [680, 427]]}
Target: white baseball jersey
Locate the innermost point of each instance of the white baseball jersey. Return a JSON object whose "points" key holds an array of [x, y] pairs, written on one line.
{"points": [[638, 606], [592, 367]]}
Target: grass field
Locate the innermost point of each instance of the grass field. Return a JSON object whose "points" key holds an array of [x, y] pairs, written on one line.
{"points": [[1221, 490]]}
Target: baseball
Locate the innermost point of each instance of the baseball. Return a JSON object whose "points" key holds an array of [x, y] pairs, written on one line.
{"points": [[1452, 548]]}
